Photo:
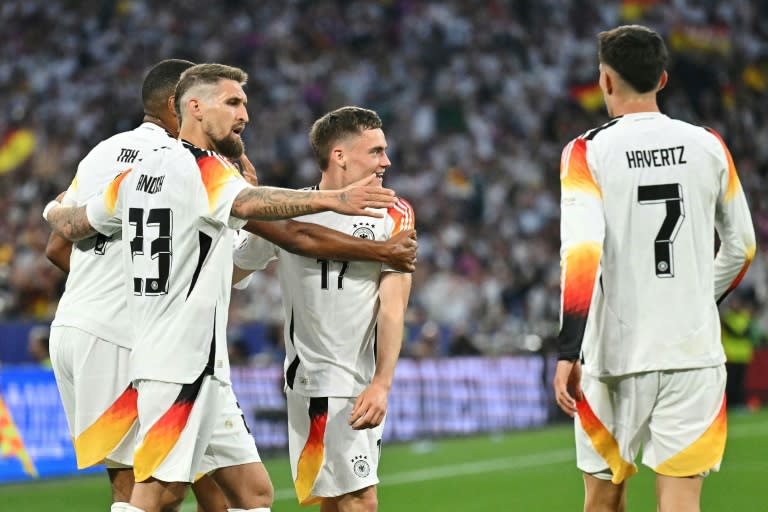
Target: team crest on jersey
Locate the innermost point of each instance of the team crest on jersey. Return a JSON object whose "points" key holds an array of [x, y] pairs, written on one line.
{"points": [[360, 466], [363, 230]]}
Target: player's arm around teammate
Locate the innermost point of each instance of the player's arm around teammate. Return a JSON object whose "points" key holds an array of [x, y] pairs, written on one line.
{"points": [[57, 250], [266, 203], [317, 241], [314, 240]]}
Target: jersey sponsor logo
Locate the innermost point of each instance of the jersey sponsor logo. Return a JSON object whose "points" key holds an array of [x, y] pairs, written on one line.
{"points": [[363, 230], [150, 185], [127, 155], [659, 157], [360, 466]]}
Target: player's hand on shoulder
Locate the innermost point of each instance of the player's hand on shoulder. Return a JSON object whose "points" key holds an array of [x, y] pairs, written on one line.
{"points": [[402, 251], [365, 193], [370, 407], [246, 169]]}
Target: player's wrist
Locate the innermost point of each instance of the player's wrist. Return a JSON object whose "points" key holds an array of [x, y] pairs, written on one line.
{"points": [[381, 250], [323, 201], [50, 206], [382, 382]]}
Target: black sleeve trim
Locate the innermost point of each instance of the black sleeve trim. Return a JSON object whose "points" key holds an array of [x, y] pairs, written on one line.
{"points": [[570, 337]]}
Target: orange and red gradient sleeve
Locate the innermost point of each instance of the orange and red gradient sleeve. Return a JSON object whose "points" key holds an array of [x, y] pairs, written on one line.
{"points": [[402, 216], [734, 226], [582, 231], [216, 174], [734, 185], [112, 190]]}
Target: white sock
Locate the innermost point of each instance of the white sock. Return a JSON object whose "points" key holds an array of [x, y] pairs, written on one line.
{"points": [[119, 506]]}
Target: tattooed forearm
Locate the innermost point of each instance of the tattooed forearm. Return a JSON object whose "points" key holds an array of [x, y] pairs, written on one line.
{"points": [[71, 223], [269, 203]]}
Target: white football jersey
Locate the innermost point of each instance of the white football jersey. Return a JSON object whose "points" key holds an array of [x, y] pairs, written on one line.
{"points": [[642, 196], [94, 299], [330, 307], [174, 211]]}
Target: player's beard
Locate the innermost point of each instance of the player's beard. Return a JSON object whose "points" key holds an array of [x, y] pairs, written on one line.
{"points": [[230, 146]]}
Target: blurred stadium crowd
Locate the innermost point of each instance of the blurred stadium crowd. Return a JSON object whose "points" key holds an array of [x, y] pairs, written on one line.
{"points": [[477, 98]]}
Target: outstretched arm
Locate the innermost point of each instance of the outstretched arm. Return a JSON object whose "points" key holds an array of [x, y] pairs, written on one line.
{"points": [[269, 203], [371, 406], [314, 240]]}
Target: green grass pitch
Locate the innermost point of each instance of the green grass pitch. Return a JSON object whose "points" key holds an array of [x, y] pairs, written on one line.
{"points": [[526, 471]]}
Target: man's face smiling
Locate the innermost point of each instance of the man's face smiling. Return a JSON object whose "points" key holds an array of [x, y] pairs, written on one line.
{"points": [[364, 155], [225, 117]]}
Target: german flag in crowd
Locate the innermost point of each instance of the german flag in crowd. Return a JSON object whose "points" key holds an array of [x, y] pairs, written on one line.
{"points": [[711, 39], [589, 96], [15, 147], [11, 444], [755, 76], [633, 10]]}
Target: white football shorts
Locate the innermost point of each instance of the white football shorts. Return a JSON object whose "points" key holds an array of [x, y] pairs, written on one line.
{"points": [[180, 425], [677, 417], [328, 457], [232, 443], [99, 402]]}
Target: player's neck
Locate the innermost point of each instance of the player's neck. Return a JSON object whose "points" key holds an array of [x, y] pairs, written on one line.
{"points": [[634, 105], [195, 137], [330, 181], [150, 118]]}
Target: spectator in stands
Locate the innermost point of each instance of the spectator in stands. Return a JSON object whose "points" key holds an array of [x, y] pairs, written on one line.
{"points": [[479, 102], [238, 352], [741, 333], [462, 344], [427, 344]]}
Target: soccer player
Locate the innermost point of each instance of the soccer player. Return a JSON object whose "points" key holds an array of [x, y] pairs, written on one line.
{"points": [[90, 333], [642, 196], [343, 327], [176, 208]]}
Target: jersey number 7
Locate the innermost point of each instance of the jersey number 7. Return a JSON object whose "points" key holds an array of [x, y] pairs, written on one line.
{"points": [[672, 195]]}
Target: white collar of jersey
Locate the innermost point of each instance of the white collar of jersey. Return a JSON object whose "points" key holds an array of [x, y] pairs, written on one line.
{"points": [[148, 125], [642, 115]]}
